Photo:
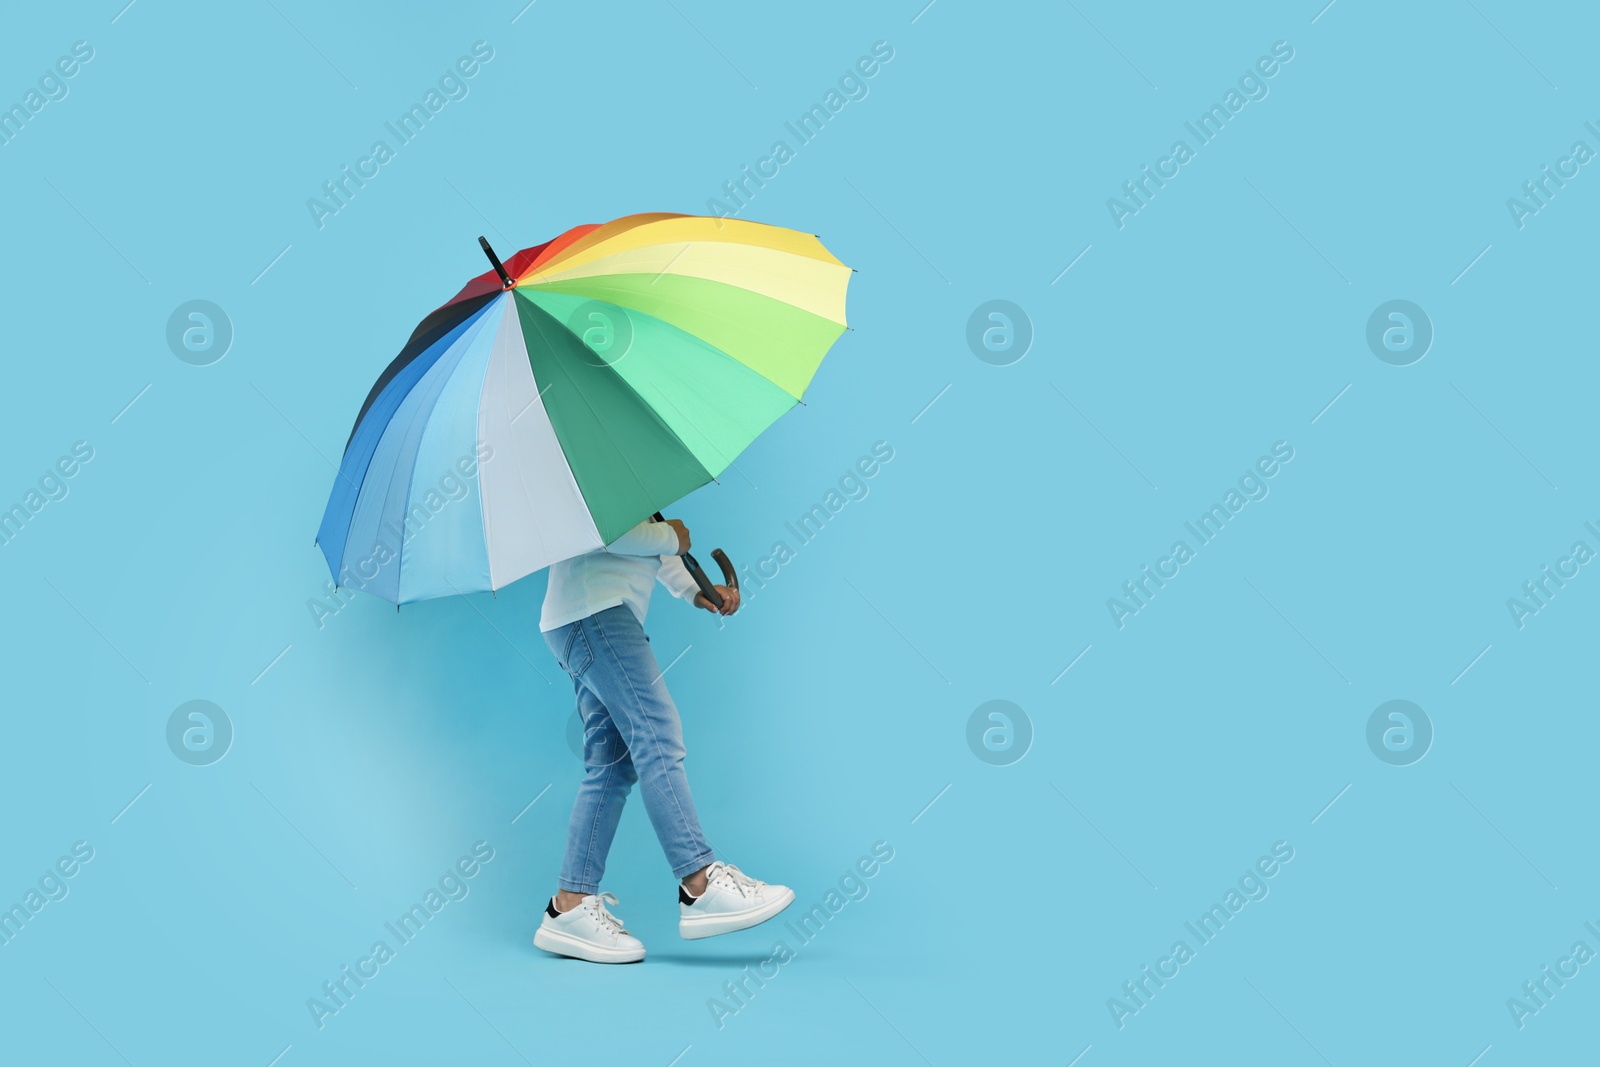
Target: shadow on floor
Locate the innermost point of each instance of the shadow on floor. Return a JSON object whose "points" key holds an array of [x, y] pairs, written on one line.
{"points": [[735, 960]]}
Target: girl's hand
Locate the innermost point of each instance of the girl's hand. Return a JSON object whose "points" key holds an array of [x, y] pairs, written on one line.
{"points": [[730, 600]]}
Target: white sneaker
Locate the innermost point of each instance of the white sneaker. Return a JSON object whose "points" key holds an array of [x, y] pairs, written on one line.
{"points": [[732, 901], [588, 932]]}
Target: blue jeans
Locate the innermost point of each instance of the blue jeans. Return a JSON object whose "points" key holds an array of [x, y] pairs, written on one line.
{"points": [[631, 733]]}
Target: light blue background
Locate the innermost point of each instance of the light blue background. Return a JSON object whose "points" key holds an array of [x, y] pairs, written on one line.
{"points": [[1225, 717]]}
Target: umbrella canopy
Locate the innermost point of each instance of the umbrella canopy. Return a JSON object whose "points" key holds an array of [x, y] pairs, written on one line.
{"points": [[558, 401]]}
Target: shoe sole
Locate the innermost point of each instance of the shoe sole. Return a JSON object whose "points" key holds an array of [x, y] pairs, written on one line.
{"points": [[693, 929], [578, 949]]}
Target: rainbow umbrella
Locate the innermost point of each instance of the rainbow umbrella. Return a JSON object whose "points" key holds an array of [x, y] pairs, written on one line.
{"points": [[562, 398]]}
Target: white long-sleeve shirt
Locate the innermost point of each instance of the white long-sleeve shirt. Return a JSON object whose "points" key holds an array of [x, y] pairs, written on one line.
{"points": [[624, 572]]}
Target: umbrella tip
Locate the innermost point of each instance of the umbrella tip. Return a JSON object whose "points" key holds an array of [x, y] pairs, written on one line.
{"points": [[499, 268]]}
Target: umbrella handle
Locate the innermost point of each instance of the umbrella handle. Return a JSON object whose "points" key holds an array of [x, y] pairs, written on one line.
{"points": [[730, 577], [707, 590]]}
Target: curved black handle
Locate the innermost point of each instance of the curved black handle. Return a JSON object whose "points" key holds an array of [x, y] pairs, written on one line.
{"points": [[730, 577]]}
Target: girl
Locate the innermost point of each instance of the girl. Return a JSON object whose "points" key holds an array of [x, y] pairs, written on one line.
{"points": [[593, 620]]}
